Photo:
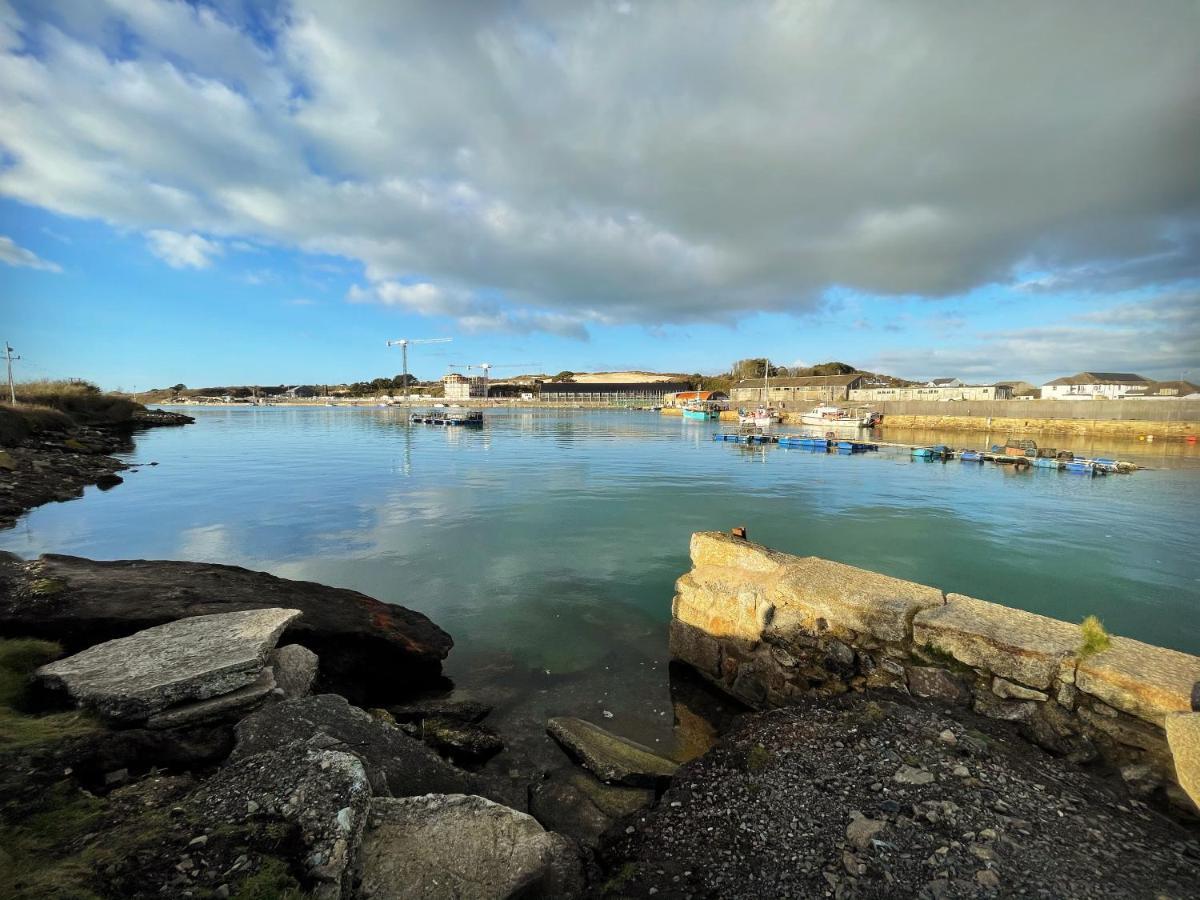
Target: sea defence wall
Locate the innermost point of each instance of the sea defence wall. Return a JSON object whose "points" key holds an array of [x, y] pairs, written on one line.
{"points": [[767, 627], [1161, 419]]}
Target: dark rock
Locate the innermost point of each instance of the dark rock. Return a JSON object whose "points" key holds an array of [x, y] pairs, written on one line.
{"points": [[936, 684], [988, 704], [1196, 697], [463, 847], [365, 646], [397, 764], [576, 804], [462, 741], [109, 481], [459, 710]]}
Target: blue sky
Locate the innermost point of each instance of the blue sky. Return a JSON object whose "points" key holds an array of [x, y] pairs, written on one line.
{"points": [[214, 193]]}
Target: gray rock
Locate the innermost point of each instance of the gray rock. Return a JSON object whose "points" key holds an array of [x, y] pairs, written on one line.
{"points": [[461, 847], [295, 669], [1009, 690], [910, 775], [323, 792], [224, 706], [396, 763], [611, 758], [132, 678], [987, 704], [936, 684], [861, 830]]}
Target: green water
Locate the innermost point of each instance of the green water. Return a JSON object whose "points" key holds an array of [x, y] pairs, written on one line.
{"points": [[547, 543]]}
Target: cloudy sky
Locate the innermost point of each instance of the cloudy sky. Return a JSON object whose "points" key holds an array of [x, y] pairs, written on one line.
{"points": [[249, 192]]}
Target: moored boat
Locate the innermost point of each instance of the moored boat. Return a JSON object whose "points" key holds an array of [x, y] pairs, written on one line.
{"points": [[762, 417], [971, 456], [702, 410], [937, 451], [835, 417]]}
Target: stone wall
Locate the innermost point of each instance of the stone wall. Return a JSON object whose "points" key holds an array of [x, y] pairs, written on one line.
{"points": [[768, 627]]}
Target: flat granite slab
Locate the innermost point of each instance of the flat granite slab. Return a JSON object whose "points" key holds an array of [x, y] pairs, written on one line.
{"points": [[812, 588], [1143, 680], [716, 548], [134, 677], [1020, 646], [610, 757]]}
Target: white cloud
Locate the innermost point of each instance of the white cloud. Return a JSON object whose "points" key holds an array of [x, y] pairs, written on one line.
{"points": [[13, 254], [182, 251], [654, 163]]}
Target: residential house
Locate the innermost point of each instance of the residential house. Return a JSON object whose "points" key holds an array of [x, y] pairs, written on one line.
{"points": [[1093, 386]]}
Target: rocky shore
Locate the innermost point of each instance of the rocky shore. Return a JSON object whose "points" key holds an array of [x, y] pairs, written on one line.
{"points": [[57, 462], [183, 738]]}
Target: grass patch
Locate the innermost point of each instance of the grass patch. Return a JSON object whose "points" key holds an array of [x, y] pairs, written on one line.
{"points": [[272, 881], [18, 729], [20, 422], [34, 864], [1093, 638], [622, 877], [45, 405], [758, 758]]}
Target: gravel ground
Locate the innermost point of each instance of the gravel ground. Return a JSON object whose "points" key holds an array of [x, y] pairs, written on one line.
{"points": [[881, 796]]}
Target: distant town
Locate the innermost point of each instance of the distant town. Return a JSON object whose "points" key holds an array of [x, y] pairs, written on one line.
{"points": [[750, 381]]}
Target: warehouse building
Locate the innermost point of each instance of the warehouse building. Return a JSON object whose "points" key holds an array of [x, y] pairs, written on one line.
{"points": [[616, 392], [792, 393], [925, 392]]}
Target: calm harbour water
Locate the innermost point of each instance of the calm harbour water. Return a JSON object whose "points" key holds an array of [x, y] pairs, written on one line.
{"points": [[547, 543]]}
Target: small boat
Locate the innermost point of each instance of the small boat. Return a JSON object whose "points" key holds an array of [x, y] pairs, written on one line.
{"points": [[1042, 462], [1084, 467], [833, 417], [702, 410], [763, 417], [971, 456], [448, 417], [937, 451]]}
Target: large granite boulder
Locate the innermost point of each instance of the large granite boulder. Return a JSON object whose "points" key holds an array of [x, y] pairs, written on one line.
{"points": [[610, 757], [396, 764], [364, 645], [323, 793], [463, 847], [294, 669], [132, 678]]}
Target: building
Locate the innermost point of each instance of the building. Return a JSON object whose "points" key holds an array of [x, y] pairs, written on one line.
{"points": [[924, 392], [1166, 390], [945, 382], [1093, 386], [460, 387], [688, 396], [301, 391], [613, 392], [1021, 390], [793, 393]]}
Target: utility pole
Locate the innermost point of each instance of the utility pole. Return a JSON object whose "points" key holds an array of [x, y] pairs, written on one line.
{"points": [[8, 358]]}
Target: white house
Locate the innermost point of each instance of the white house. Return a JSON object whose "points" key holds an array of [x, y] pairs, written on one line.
{"points": [[1093, 386]]}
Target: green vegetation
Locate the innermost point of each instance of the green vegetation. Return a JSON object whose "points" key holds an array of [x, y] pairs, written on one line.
{"points": [[758, 758], [19, 729], [1093, 637], [272, 882], [57, 406]]}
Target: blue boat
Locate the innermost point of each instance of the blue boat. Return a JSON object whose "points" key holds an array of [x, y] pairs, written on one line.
{"points": [[971, 456], [1083, 467], [937, 451], [1043, 463], [851, 446]]}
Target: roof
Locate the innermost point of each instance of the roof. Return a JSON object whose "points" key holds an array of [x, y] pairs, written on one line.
{"points": [[804, 381], [571, 387], [939, 381], [701, 395], [1100, 378], [1170, 389]]}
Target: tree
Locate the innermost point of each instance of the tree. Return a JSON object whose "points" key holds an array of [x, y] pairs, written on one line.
{"points": [[753, 367], [563, 376], [179, 388]]}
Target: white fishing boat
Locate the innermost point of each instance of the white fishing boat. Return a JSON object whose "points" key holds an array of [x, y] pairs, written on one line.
{"points": [[763, 417], [834, 417]]}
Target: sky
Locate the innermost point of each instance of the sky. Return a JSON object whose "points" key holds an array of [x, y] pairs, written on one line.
{"points": [[238, 192]]}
